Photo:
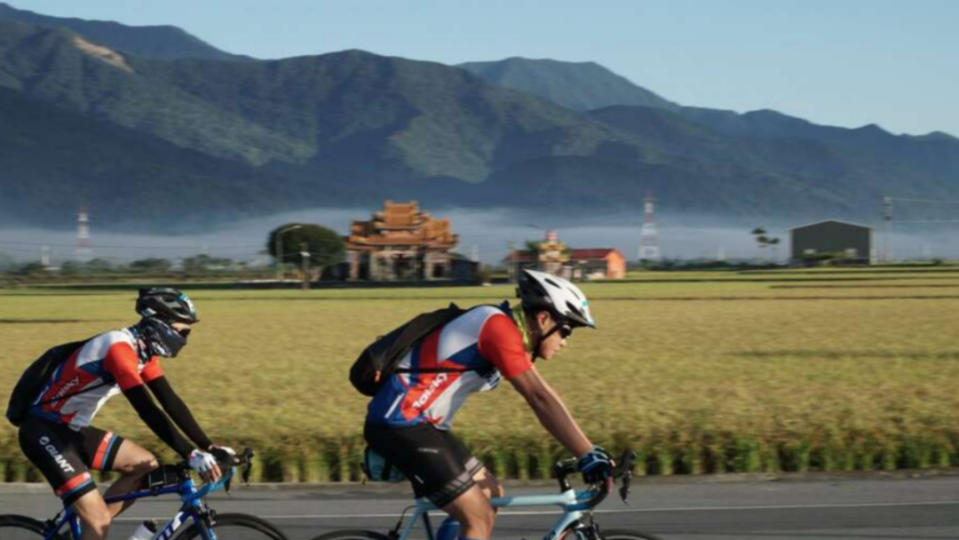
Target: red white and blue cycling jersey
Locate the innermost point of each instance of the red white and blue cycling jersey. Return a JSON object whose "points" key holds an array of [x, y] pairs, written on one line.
{"points": [[109, 358], [484, 340]]}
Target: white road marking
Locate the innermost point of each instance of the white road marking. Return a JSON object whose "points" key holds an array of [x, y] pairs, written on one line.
{"points": [[623, 511]]}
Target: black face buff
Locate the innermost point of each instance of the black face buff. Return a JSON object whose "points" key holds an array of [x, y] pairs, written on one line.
{"points": [[161, 338]]}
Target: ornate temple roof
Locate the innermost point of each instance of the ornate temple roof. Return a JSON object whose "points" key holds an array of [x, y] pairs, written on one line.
{"points": [[401, 224]]}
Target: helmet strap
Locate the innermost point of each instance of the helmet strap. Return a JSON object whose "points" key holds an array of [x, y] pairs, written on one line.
{"points": [[519, 317], [143, 348]]}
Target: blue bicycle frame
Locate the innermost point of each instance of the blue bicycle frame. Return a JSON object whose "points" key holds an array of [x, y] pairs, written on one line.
{"points": [[193, 507], [574, 504]]}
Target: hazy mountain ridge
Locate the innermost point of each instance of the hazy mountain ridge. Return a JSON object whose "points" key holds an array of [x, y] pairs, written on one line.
{"points": [[161, 42], [580, 86], [53, 161], [353, 127]]}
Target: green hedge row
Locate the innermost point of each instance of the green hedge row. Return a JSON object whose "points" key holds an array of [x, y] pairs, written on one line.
{"points": [[338, 460]]}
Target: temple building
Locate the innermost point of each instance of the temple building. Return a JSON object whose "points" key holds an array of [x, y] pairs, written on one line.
{"points": [[400, 243]]}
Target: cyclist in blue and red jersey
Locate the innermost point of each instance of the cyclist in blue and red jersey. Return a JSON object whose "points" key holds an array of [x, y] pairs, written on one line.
{"points": [[409, 420], [58, 438]]}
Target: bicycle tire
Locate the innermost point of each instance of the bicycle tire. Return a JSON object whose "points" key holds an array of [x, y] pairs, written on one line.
{"points": [[28, 528], [352, 534], [252, 527], [625, 534]]}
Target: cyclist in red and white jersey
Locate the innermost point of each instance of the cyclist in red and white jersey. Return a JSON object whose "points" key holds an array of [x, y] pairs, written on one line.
{"points": [[409, 420], [58, 438]]}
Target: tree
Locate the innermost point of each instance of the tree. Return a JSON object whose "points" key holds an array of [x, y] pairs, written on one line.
{"points": [[763, 241], [325, 246], [71, 268], [202, 263], [32, 269], [152, 264], [99, 265]]}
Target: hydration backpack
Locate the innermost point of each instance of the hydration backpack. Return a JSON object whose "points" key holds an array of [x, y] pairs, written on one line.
{"points": [[36, 375], [378, 361]]}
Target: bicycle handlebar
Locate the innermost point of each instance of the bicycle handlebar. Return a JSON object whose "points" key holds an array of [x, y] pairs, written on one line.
{"points": [[244, 460], [597, 492]]}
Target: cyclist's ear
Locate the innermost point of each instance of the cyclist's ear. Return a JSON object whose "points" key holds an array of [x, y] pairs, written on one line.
{"points": [[543, 320]]}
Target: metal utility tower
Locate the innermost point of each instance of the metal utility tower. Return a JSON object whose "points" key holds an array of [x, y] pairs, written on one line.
{"points": [[648, 237], [887, 237], [83, 251]]}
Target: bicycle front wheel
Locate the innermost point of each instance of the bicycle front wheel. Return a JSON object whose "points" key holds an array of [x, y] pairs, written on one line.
{"points": [[352, 534], [14, 527], [623, 534], [235, 527]]}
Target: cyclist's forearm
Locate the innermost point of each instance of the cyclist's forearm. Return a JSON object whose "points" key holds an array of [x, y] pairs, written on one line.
{"points": [[179, 412], [555, 417], [156, 420]]}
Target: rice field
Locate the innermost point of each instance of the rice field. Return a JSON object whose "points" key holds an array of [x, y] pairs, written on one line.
{"points": [[705, 372]]}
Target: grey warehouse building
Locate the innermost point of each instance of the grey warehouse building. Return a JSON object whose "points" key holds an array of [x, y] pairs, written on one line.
{"points": [[853, 241]]}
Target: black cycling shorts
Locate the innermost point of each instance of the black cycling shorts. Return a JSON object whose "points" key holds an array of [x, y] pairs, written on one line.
{"points": [[437, 463], [65, 457]]}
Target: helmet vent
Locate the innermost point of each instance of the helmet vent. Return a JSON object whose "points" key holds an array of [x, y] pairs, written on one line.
{"points": [[553, 283]]}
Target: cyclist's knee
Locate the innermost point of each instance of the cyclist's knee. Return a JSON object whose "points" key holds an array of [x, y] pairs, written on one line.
{"points": [[147, 464], [488, 483], [134, 460]]}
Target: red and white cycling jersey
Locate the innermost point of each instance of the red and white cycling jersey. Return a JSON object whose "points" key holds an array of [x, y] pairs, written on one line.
{"points": [[484, 340], [109, 358]]}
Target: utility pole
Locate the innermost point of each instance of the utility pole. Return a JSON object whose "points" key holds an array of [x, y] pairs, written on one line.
{"points": [[887, 237], [83, 252], [305, 265]]}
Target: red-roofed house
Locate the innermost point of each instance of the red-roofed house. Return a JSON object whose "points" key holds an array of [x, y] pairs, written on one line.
{"points": [[588, 263], [606, 261]]}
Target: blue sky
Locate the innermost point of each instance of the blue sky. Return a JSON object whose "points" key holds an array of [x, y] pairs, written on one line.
{"points": [[837, 62]]}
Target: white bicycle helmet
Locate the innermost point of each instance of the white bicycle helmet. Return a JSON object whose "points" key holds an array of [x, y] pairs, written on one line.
{"points": [[541, 291]]}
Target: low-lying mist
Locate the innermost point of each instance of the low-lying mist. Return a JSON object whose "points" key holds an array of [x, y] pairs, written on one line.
{"points": [[486, 234]]}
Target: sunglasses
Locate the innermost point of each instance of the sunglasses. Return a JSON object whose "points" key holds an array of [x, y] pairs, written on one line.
{"points": [[183, 332], [563, 330]]}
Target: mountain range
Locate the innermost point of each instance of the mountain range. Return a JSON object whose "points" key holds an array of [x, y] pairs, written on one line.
{"points": [[151, 127]]}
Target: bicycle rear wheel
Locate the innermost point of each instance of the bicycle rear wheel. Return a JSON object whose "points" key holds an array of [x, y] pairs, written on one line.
{"points": [[236, 527], [13, 527], [352, 534]]}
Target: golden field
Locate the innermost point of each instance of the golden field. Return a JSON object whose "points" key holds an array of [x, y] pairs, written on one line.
{"points": [[699, 372]]}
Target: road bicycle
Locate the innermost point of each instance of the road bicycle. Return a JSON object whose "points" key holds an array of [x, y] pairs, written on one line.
{"points": [[168, 479], [576, 522]]}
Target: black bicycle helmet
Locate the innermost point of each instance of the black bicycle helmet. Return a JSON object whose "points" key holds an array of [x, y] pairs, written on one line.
{"points": [[166, 304]]}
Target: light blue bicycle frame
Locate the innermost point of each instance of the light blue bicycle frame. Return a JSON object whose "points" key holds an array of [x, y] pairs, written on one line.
{"points": [[192, 508], [573, 503]]}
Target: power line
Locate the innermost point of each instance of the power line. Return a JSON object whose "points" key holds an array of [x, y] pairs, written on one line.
{"points": [[129, 246], [930, 201]]}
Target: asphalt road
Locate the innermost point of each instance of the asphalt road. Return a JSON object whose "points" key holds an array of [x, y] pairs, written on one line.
{"points": [[874, 507]]}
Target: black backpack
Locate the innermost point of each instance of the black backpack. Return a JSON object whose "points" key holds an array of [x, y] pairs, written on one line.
{"points": [[35, 376], [378, 361]]}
